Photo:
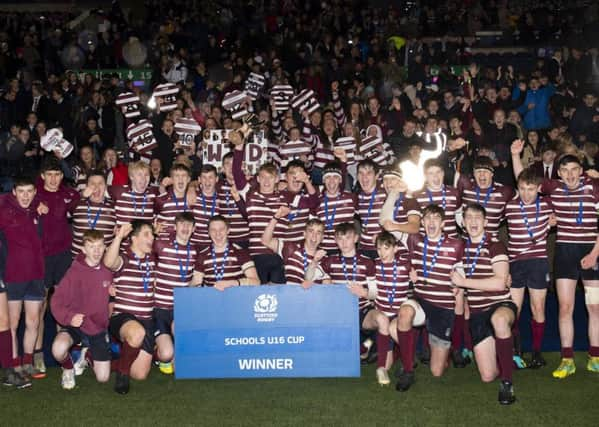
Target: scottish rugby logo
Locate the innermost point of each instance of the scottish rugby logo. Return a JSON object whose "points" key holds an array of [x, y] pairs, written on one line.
{"points": [[265, 308]]}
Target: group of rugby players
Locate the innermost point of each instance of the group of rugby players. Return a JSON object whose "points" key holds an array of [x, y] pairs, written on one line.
{"points": [[426, 265]]}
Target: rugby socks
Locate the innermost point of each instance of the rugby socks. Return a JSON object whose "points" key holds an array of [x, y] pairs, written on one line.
{"points": [[16, 362], [594, 351], [406, 349], [457, 332], [128, 356], [67, 363], [27, 358], [567, 353], [5, 349], [467, 335], [382, 347], [504, 348], [538, 330]]}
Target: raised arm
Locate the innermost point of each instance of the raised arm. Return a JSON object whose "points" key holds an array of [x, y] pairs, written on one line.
{"points": [[267, 237], [516, 149], [112, 260]]}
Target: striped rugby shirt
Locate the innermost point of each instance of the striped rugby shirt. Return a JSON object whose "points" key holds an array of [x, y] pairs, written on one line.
{"points": [[134, 282], [232, 268], [492, 251], [392, 284], [130, 205], [358, 268], [369, 210], [494, 199], [435, 287], [296, 260], [449, 199], [300, 205], [238, 225], [522, 220], [175, 264], [88, 215], [168, 206], [333, 211], [575, 210]]}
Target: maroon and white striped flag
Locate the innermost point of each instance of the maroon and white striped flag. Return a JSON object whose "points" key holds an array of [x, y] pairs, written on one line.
{"points": [[305, 100], [281, 94], [236, 102], [187, 129], [254, 84], [129, 103], [167, 93], [141, 137]]}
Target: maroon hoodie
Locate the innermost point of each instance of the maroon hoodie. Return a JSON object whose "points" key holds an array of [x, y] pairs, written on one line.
{"points": [[25, 260], [56, 231], [83, 289]]}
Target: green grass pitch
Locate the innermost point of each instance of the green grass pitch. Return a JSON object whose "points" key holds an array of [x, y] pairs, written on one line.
{"points": [[458, 398]]}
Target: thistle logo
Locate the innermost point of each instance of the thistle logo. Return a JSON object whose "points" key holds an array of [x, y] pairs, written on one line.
{"points": [[265, 308]]}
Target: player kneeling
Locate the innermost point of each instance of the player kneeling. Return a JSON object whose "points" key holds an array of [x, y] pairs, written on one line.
{"points": [[493, 312], [80, 306], [392, 287]]}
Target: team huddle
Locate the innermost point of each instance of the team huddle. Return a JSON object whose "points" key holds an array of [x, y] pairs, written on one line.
{"points": [[429, 265]]}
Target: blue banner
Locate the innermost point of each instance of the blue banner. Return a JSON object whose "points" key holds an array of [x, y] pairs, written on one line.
{"points": [[266, 331]]}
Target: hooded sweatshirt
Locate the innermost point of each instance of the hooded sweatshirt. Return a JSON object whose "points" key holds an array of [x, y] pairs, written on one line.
{"points": [[25, 259], [83, 289]]}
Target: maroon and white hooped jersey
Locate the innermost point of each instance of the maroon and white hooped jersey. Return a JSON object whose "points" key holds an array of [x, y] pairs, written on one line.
{"points": [[433, 262], [239, 229], [88, 215], [130, 205], [261, 208], [575, 210], [494, 199], [297, 260], [205, 207], [168, 205], [392, 284], [343, 270], [528, 227], [230, 264], [489, 251], [369, 210], [333, 211], [175, 264], [300, 206], [134, 282], [447, 198], [167, 93]]}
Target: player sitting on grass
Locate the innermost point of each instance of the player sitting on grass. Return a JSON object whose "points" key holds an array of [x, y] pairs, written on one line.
{"points": [[80, 305]]}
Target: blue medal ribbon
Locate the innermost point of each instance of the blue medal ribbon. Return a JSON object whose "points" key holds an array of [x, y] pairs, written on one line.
{"points": [[390, 293], [212, 209], [398, 203], [525, 216], [185, 208], [426, 271], [146, 275], [370, 205], [476, 255], [183, 273], [354, 265], [219, 272], [143, 205], [580, 205], [305, 256], [228, 198], [443, 194], [329, 222], [487, 196], [92, 224]]}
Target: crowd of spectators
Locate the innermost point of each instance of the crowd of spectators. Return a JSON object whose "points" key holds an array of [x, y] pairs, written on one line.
{"points": [[394, 62]]}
